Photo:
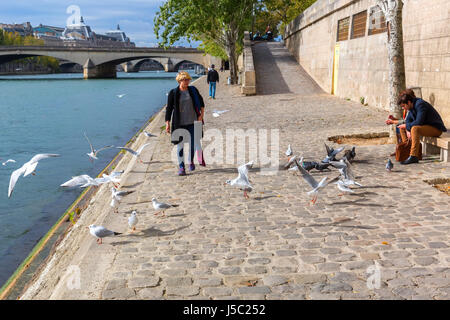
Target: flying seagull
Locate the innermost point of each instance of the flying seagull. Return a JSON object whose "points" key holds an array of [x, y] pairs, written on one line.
{"points": [[161, 207], [26, 169], [242, 181], [121, 95], [135, 153], [317, 186], [79, 181], [217, 113], [9, 160], [93, 154], [133, 220], [101, 232], [331, 153], [347, 177], [114, 178]]}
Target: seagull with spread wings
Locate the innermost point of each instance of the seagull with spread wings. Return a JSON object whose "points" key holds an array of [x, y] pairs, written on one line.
{"points": [[317, 186], [93, 154], [242, 181], [137, 153], [27, 168]]}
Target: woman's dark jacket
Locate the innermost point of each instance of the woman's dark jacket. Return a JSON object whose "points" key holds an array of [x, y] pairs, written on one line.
{"points": [[173, 106], [423, 113]]}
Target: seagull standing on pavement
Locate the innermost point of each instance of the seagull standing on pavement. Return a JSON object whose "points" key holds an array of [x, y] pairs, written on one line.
{"points": [[148, 134], [26, 169], [101, 232], [137, 153], [133, 220], [93, 154], [389, 165], [345, 189], [289, 152], [242, 181], [161, 207], [116, 197]]}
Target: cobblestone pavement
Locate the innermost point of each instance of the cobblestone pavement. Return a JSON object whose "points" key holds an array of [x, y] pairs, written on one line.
{"points": [[217, 245]]}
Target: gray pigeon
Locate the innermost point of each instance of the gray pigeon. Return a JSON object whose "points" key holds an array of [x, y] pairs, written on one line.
{"points": [[389, 165]]}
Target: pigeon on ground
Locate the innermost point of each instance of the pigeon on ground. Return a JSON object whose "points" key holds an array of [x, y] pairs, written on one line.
{"points": [[350, 154], [150, 135], [133, 220], [101, 232], [26, 169], [161, 207], [242, 181], [389, 165], [321, 166]]}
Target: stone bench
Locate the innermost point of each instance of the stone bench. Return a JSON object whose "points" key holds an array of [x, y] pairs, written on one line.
{"points": [[431, 145]]}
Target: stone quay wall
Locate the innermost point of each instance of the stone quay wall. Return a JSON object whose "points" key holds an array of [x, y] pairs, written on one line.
{"points": [[362, 69]]}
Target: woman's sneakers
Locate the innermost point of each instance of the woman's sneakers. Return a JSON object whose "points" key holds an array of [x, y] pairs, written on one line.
{"points": [[181, 172]]}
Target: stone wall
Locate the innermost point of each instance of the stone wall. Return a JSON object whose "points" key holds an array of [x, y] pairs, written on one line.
{"points": [[363, 63]]}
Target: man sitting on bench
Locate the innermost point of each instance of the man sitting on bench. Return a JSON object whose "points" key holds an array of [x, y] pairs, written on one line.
{"points": [[422, 120]]}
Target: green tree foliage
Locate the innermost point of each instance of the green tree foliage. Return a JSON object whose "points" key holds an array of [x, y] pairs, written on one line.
{"points": [[219, 24], [14, 39], [280, 12]]}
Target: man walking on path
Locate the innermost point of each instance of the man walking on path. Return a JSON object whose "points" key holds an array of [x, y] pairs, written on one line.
{"points": [[213, 77]]}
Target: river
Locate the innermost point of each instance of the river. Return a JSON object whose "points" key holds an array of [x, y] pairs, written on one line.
{"points": [[48, 114]]}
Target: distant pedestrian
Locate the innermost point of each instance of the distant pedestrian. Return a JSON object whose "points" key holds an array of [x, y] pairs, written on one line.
{"points": [[185, 107], [213, 77]]}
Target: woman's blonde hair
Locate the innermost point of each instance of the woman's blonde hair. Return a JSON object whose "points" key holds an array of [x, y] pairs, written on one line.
{"points": [[183, 75]]}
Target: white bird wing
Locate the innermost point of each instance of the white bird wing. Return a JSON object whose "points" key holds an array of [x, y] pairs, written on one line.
{"points": [[30, 167], [90, 144], [105, 147], [75, 181], [41, 156], [116, 174], [244, 168], [306, 176], [142, 148], [14, 177], [9, 160], [134, 153]]}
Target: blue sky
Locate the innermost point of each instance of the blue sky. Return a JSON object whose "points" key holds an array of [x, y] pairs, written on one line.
{"points": [[135, 17]]}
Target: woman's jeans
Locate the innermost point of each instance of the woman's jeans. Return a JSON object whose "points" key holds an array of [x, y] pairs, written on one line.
{"points": [[212, 89], [193, 146]]}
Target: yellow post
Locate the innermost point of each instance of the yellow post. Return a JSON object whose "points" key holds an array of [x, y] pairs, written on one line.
{"points": [[335, 69]]}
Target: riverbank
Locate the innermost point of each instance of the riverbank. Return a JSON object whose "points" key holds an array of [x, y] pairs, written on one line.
{"points": [[275, 245]]}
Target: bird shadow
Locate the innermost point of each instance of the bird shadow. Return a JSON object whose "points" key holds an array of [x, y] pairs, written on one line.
{"points": [[357, 202], [263, 198], [337, 224], [153, 232], [133, 185], [176, 215], [379, 187], [116, 243]]}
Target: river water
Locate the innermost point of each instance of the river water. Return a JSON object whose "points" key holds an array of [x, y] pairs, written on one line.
{"points": [[48, 114]]}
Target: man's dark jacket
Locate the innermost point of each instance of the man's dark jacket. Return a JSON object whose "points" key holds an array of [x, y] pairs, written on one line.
{"points": [[213, 76], [173, 106], [423, 113]]}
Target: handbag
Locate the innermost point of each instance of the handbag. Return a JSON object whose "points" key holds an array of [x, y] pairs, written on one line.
{"points": [[403, 149]]}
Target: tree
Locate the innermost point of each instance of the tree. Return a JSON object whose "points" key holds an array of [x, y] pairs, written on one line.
{"points": [[392, 10], [219, 24], [285, 10]]}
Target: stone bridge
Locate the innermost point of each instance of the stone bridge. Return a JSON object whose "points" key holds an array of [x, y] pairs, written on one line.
{"points": [[101, 62]]}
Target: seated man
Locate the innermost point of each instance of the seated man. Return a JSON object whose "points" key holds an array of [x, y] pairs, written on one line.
{"points": [[422, 120]]}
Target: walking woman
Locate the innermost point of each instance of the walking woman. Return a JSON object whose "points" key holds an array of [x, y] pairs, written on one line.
{"points": [[185, 107]]}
